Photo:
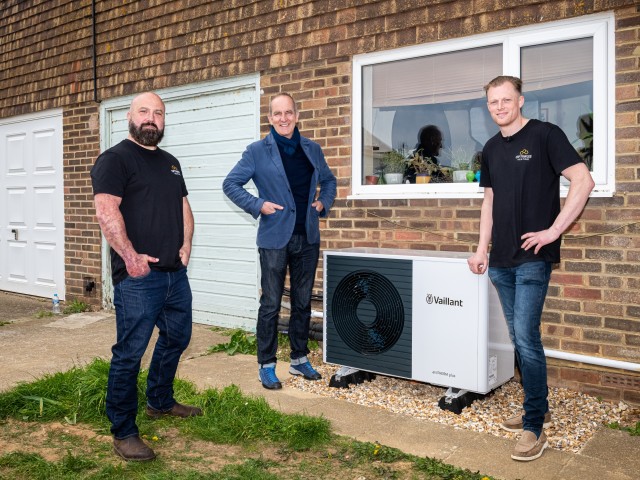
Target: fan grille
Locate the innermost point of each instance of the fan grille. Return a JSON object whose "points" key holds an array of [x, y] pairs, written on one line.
{"points": [[367, 312]]}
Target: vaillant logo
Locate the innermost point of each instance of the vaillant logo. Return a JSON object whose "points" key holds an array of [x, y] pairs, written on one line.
{"points": [[443, 301]]}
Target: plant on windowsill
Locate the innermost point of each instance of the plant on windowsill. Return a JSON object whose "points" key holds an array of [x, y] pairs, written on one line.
{"points": [[585, 134], [393, 165], [460, 160], [424, 167]]}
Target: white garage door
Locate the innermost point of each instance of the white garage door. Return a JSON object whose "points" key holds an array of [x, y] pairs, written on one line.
{"points": [[207, 129], [32, 212]]}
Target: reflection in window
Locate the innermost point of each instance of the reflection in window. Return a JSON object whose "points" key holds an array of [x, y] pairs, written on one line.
{"points": [[440, 96], [558, 88]]}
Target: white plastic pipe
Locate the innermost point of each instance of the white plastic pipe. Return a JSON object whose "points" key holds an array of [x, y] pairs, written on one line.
{"points": [[600, 361], [314, 313]]}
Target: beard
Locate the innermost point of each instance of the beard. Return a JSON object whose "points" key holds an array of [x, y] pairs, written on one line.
{"points": [[149, 137]]}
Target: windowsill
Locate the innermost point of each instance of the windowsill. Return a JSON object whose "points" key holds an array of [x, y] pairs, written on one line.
{"points": [[445, 191], [418, 191]]}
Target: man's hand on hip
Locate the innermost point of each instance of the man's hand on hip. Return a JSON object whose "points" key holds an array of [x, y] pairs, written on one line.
{"points": [[269, 208], [138, 264], [318, 206]]}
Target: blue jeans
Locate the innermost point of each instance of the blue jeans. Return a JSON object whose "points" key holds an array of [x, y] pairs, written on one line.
{"points": [[522, 291], [302, 260], [161, 299]]}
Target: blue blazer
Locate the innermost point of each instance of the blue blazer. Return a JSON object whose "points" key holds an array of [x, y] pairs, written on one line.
{"points": [[261, 162]]}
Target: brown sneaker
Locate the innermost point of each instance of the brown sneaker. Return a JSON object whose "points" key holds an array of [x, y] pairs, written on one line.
{"points": [[133, 449], [178, 410], [529, 447], [514, 424]]}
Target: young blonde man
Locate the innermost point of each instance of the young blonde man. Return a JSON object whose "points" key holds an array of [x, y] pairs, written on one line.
{"points": [[522, 219]]}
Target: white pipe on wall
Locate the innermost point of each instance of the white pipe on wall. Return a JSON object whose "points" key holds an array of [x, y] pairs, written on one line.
{"points": [[600, 361], [314, 313]]}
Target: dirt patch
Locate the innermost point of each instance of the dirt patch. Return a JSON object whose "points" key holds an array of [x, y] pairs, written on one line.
{"points": [[55, 441], [13, 305], [44, 439]]}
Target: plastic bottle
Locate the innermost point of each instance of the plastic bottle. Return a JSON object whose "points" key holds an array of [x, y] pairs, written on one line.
{"points": [[56, 304]]}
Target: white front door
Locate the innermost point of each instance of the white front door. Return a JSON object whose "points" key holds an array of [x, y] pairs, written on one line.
{"points": [[32, 215], [208, 126]]}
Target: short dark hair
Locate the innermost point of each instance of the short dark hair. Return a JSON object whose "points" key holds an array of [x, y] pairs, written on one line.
{"points": [[283, 94], [428, 133], [496, 82]]}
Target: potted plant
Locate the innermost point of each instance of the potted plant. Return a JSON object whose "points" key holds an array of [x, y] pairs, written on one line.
{"points": [[393, 165], [461, 158], [371, 179], [424, 167], [585, 134]]}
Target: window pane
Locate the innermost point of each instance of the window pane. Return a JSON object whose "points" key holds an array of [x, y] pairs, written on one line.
{"points": [[558, 85], [444, 91]]}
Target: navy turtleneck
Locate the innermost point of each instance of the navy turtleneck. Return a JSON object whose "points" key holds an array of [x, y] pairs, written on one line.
{"points": [[299, 171]]}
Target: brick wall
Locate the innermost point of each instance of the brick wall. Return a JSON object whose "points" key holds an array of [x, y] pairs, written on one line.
{"points": [[45, 55], [305, 48], [83, 241]]}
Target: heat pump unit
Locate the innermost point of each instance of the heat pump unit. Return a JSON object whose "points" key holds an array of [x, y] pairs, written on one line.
{"points": [[415, 314]]}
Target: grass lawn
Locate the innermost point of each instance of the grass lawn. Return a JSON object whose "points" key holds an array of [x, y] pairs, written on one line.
{"points": [[55, 428]]}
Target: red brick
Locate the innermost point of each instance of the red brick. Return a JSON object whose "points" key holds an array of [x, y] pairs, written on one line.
{"points": [[612, 394], [631, 396], [582, 348], [582, 293], [580, 376]]}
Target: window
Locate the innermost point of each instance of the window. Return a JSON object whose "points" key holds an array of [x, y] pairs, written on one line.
{"points": [[428, 101]]}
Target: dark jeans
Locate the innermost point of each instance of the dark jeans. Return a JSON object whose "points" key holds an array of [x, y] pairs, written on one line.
{"points": [[522, 291], [302, 260], [161, 299]]}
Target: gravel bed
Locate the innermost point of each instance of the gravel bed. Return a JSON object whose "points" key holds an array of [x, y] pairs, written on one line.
{"points": [[576, 416]]}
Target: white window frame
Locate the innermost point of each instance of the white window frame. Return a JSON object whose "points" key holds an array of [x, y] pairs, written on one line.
{"points": [[601, 27]]}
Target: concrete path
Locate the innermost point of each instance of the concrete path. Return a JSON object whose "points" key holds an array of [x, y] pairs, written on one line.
{"points": [[31, 347]]}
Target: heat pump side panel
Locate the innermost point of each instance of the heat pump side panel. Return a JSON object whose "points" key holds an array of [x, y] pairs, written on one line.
{"points": [[500, 349], [361, 318], [447, 324]]}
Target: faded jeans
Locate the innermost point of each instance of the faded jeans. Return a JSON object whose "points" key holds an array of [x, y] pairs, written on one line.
{"points": [[161, 299], [522, 291], [302, 260]]}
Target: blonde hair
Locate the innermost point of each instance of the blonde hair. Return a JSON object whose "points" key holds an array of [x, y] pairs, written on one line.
{"points": [[496, 82]]}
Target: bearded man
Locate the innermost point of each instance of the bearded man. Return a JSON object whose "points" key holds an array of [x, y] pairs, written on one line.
{"points": [[142, 208]]}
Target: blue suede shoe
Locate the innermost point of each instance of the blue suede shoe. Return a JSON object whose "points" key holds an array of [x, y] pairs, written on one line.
{"points": [[306, 370], [267, 376]]}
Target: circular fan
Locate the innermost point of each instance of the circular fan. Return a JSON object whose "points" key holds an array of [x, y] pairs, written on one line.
{"points": [[367, 312]]}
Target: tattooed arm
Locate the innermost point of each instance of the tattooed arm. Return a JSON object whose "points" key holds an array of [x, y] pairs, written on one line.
{"points": [[113, 228]]}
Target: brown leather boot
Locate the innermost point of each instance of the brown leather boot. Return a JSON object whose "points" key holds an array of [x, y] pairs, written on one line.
{"points": [[178, 410], [133, 449]]}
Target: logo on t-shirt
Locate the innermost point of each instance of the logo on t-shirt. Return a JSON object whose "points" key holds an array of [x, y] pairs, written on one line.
{"points": [[524, 156], [175, 170]]}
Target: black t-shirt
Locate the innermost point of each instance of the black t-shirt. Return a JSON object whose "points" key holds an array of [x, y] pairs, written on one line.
{"points": [[524, 172], [152, 188]]}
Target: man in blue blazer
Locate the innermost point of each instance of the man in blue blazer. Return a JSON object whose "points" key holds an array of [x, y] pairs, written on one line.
{"points": [[287, 169]]}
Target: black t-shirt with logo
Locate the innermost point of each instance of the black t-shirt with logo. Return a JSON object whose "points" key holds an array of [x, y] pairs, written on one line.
{"points": [[152, 188], [524, 172]]}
